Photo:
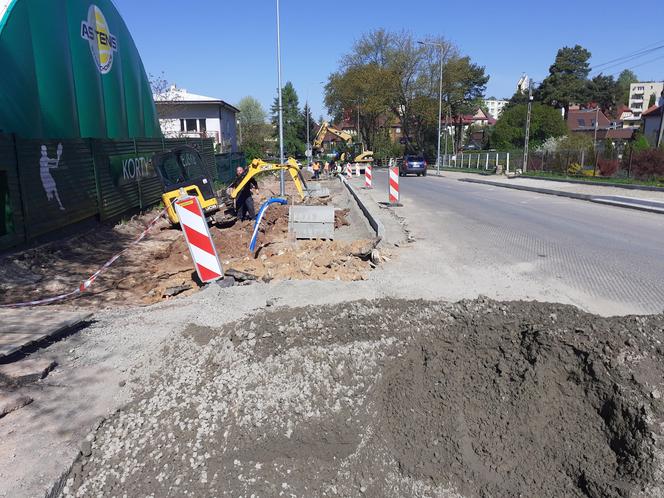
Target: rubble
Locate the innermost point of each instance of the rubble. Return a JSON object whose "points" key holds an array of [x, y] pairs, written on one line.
{"points": [[395, 398]]}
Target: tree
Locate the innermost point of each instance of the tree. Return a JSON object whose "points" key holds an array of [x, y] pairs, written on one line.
{"points": [[625, 79], [253, 127], [368, 88], [605, 91], [652, 101], [566, 83], [395, 79], [510, 129], [294, 125], [306, 112]]}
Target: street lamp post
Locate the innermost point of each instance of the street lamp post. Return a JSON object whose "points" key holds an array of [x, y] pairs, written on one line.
{"points": [[440, 99], [282, 177], [528, 118]]}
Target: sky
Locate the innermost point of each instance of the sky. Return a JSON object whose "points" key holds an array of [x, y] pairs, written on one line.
{"points": [[227, 48]]}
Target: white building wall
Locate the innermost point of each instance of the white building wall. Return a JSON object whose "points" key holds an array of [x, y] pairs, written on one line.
{"points": [[639, 95], [220, 122]]}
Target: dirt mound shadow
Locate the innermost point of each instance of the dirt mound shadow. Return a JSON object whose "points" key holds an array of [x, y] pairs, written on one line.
{"points": [[505, 407]]}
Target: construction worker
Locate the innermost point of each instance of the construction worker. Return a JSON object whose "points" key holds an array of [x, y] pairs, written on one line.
{"points": [[316, 170], [244, 203]]}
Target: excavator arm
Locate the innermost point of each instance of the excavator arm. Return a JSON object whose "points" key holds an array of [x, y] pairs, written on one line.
{"points": [[364, 156], [259, 166]]}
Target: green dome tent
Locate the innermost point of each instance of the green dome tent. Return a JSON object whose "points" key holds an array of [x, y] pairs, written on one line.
{"points": [[70, 69]]}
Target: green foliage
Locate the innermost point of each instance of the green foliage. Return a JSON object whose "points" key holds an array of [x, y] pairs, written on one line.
{"points": [[625, 79], [566, 83], [605, 91], [392, 77], [510, 129], [293, 121], [253, 128], [640, 142]]}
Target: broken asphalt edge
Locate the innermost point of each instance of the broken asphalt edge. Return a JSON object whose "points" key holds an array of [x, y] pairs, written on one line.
{"points": [[582, 197], [373, 220]]}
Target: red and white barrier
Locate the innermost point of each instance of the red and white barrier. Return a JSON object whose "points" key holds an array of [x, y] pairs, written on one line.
{"points": [[197, 234], [349, 171], [394, 185], [368, 176]]}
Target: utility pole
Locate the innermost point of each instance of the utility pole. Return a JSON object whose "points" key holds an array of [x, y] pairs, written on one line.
{"points": [[530, 110], [595, 140], [282, 160], [306, 107]]}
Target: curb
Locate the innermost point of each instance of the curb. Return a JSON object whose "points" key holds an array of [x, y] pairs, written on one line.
{"points": [[648, 206], [599, 184], [375, 223]]}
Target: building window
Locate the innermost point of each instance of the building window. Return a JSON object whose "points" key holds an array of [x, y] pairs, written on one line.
{"points": [[582, 122], [202, 125], [190, 125]]}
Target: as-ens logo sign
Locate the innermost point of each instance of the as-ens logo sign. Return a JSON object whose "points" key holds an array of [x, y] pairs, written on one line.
{"points": [[103, 44]]}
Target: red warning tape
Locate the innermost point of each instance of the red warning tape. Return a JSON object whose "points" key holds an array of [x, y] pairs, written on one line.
{"points": [[85, 285]]}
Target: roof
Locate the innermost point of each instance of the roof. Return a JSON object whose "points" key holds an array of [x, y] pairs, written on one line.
{"points": [[652, 111], [620, 133], [584, 119], [182, 96]]}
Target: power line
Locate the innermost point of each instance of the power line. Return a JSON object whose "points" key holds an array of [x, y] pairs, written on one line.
{"points": [[633, 55], [626, 60]]}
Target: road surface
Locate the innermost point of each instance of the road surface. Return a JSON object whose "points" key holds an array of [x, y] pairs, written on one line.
{"points": [[602, 258]]}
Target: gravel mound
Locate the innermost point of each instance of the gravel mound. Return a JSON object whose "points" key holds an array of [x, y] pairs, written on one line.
{"points": [[394, 398]]}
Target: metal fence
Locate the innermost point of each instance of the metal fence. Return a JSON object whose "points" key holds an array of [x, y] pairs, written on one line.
{"points": [[46, 185], [581, 163], [479, 161], [226, 165]]}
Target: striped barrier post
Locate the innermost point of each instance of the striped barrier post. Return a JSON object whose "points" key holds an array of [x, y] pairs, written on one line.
{"points": [[368, 176], [197, 234], [349, 171], [394, 186]]}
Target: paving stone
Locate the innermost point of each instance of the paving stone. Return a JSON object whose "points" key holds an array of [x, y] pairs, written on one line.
{"points": [[10, 402]]}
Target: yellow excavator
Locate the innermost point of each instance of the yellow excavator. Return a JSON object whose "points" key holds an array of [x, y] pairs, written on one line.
{"points": [[258, 166], [183, 168], [355, 153]]}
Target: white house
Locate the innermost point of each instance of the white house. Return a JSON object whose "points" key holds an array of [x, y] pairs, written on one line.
{"points": [[184, 114]]}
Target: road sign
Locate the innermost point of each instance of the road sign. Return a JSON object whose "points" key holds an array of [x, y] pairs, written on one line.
{"points": [[197, 234]]}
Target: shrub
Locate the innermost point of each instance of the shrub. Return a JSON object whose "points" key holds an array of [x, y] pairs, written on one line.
{"points": [[607, 167], [648, 164]]}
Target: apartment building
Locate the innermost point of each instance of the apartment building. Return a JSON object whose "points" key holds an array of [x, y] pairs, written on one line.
{"points": [[495, 107], [641, 95]]}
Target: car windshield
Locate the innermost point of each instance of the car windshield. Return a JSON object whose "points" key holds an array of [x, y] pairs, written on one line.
{"points": [[415, 159]]}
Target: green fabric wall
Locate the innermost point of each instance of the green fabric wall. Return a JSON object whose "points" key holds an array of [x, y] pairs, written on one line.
{"points": [[51, 84]]}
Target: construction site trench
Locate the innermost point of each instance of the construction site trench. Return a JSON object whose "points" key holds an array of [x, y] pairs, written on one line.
{"points": [[160, 267], [394, 398]]}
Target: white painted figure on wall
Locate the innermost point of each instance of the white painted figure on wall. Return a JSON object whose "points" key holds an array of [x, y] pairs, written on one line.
{"points": [[45, 166]]}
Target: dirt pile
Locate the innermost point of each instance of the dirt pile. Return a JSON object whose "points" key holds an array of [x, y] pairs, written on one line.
{"points": [[396, 398], [160, 267]]}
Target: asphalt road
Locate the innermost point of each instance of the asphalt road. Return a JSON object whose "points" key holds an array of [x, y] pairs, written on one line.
{"points": [[602, 253]]}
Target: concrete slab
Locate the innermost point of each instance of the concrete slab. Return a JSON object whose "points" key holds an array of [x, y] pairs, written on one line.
{"points": [[27, 370], [20, 328]]}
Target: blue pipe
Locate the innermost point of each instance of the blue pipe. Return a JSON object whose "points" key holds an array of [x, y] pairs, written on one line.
{"points": [[259, 218]]}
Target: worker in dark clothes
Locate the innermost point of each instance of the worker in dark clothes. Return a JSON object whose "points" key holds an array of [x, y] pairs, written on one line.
{"points": [[244, 203]]}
